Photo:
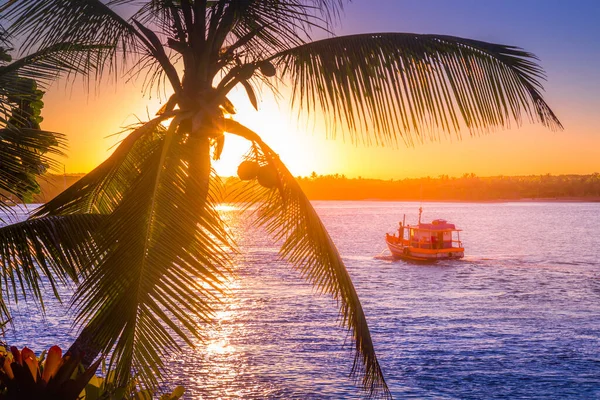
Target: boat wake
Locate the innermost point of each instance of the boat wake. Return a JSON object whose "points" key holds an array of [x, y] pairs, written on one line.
{"points": [[385, 257]]}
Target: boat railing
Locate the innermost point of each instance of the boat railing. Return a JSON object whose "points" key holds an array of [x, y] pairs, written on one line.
{"points": [[424, 243]]}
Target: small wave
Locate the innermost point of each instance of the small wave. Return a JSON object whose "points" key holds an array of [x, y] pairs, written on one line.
{"points": [[385, 257]]}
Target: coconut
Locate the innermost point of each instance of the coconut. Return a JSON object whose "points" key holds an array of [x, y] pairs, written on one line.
{"points": [[248, 170], [267, 69], [267, 176]]}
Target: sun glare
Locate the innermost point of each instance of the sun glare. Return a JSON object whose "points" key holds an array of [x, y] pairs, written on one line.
{"points": [[302, 145], [219, 347], [223, 208], [301, 151]]}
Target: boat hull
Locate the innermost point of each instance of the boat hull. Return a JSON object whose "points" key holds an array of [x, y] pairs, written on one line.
{"points": [[401, 249]]}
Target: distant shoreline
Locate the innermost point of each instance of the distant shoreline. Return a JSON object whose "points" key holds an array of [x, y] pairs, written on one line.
{"points": [[467, 189], [595, 199]]}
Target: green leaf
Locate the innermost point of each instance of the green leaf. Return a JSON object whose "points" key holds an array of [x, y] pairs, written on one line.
{"points": [[92, 392], [143, 395], [176, 394]]}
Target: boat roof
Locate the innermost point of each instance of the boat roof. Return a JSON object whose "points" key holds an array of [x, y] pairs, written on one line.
{"points": [[435, 227]]}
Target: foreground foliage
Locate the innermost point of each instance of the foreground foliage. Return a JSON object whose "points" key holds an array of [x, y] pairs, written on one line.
{"points": [[25, 150], [52, 376]]}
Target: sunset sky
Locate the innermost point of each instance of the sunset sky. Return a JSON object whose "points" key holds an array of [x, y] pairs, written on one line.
{"points": [[564, 35]]}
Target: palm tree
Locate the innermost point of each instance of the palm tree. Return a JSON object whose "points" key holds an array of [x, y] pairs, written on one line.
{"points": [[157, 256], [26, 153]]}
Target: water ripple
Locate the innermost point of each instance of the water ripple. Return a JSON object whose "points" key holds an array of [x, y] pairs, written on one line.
{"points": [[519, 317]]}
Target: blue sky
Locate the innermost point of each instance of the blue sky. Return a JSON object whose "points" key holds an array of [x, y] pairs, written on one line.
{"points": [[565, 35]]}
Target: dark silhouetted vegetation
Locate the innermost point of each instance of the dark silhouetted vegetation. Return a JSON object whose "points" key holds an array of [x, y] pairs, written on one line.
{"points": [[468, 187]]}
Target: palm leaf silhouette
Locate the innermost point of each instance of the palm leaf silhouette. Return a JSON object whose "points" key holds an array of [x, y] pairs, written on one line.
{"points": [[288, 216], [401, 85], [53, 247], [101, 190], [167, 265]]}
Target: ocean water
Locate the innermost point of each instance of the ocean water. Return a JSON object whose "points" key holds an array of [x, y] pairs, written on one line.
{"points": [[517, 318]]}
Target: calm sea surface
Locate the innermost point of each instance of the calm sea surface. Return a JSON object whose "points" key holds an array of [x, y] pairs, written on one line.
{"points": [[519, 317]]}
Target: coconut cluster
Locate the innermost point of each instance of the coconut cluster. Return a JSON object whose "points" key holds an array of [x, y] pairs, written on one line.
{"points": [[266, 175]]}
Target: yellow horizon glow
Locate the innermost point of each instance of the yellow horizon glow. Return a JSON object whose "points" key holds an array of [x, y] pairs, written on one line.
{"points": [[91, 121]]}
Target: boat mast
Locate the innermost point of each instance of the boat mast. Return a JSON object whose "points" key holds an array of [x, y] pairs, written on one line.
{"points": [[401, 232], [420, 212]]}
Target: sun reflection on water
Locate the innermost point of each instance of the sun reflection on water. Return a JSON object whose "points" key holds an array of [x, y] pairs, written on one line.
{"points": [[218, 367], [255, 346], [225, 207], [220, 347]]}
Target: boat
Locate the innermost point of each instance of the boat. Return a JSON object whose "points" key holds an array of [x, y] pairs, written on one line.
{"points": [[438, 240]]}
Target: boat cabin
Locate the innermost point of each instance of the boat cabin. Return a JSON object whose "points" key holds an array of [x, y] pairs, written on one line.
{"points": [[439, 234], [426, 242]]}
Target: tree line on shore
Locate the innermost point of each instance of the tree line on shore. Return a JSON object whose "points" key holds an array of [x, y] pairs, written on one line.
{"points": [[468, 187]]}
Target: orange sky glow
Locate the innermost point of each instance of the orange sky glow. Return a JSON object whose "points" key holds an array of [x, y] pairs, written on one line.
{"points": [[91, 120]]}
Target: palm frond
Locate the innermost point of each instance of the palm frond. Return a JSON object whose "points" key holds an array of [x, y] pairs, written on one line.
{"points": [[26, 154], [25, 151], [386, 86], [50, 247], [287, 214], [254, 27], [45, 65], [271, 26], [163, 258], [155, 13], [268, 26], [46, 23], [100, 190]]}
